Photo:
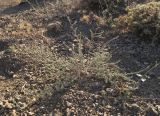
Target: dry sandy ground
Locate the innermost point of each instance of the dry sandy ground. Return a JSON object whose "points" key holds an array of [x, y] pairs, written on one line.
{"points": [[26, 91]]}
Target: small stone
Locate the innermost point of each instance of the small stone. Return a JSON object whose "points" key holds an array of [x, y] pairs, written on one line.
{"points": [[31, 113], [158, 108], [73, 108], [14, 113], [15, 76], [109, 107], [42, 107], [1, 103], [100, 113], [68, 104], [34, 99], [96, 104], [56, 26], [134, 108], [96, 96], [143, 79], [103, 92], [7, 104], [109, 90], [138, 75], [68, 112], [81, 92], [105, 114], [22, 105], [56, 114], [151, 111]]}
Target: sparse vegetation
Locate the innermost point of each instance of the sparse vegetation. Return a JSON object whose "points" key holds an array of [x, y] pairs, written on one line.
{"points": [[142, 20], [80, 57]]}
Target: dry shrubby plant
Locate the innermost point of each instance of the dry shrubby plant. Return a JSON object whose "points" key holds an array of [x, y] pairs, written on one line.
{"points": [[65, 70], [104, 7], [16, 28], [143, 21]]}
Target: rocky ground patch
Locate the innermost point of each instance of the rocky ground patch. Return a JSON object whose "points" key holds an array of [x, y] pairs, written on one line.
{"points": [[60, 60]]}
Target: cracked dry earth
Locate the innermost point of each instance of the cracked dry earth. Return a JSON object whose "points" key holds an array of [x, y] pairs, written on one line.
{"points": [[24, 91]]}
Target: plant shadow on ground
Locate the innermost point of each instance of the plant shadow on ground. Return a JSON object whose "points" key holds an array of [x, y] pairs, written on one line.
{"points": [[15, 9], [79, 95], [9, 64], [140, 60], [3, 45], [23, 6], [149, 88]]}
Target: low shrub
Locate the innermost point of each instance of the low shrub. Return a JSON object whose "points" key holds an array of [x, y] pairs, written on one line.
{"points": [[142, 20], [108, 7]]}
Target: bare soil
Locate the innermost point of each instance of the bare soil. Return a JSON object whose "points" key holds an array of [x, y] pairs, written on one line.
{"points": [[25, 92]]}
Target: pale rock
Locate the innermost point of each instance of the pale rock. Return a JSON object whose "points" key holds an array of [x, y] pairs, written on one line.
{"points": [[151, 111]]}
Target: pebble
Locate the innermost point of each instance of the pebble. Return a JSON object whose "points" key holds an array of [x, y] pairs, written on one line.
{"points": [[109, 107], [31, 113], [158, 108], [7, 104], [1, 103], [55, 26], [68, 104], [22, 105], [14, 113], [81, 92], [139, 75], [151, 111], [133, 108]]}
